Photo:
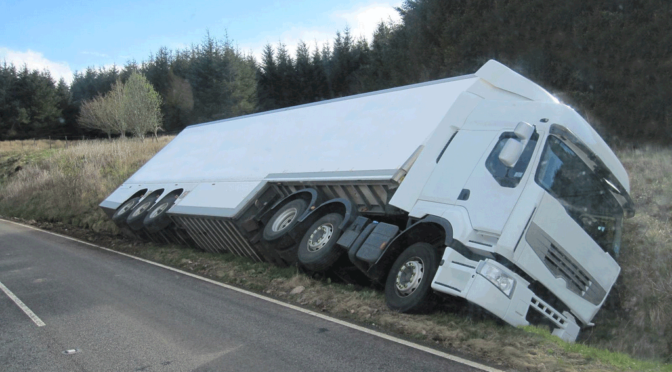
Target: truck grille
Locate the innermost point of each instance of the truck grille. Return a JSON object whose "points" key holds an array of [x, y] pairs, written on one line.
{"points": [[217, 235], [561, 265]]}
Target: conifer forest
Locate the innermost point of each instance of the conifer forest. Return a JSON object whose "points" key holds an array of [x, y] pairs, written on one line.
{"points": [[611, 60]]}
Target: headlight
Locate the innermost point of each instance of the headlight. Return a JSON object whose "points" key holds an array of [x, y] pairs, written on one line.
{"points": [[499, 278]]}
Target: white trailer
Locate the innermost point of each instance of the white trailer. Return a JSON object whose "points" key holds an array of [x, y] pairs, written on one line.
{"points": [[483, 187]]}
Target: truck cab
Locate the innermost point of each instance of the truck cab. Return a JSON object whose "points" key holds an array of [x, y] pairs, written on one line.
{"points": [[536, 202]]}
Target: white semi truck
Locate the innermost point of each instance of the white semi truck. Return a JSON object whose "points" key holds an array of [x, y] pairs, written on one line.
{"points": [[483, 187]]}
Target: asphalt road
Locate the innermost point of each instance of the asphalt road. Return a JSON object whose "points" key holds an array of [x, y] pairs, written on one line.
{"points": [[121, 314]]}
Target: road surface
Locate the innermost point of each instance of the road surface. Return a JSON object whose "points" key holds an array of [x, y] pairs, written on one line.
{"points": [[96, 310]]}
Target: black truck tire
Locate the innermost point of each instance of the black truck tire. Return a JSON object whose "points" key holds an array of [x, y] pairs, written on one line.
{"points": [[121, 214], [408, 286], [137, 216], [157, 219], [318, 250], [284, 219]]}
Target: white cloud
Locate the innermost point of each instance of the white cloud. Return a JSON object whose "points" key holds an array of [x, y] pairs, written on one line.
{"points": [[293, 36], [361, 19], [36, 61], [95, 54], [364, 19]]}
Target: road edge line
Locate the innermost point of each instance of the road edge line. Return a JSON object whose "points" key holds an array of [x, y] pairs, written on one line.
{"points": [[36, 319], [277, 302]]}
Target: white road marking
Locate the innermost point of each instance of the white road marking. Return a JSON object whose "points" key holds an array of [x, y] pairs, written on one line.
{"points": [[38, 322], [290, 306]]}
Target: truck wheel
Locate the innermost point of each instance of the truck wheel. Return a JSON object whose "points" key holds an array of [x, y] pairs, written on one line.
{"points": [[408, 285], [157, 219], [121, 214], [318, 249], [284, 219], [137, 216]]}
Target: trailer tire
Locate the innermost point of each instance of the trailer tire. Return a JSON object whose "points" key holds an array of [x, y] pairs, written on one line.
{"points": [[157, 219], [137, 216], [284, 219], [318, 250], [408, 286], [121, 214]]}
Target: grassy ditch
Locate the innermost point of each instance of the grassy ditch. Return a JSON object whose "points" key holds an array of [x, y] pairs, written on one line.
{"points": [[638, 319], [67, 184], [60, 189]]}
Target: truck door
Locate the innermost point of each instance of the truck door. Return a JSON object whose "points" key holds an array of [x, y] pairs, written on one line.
{"points": [[492, 190], [454, 165]]}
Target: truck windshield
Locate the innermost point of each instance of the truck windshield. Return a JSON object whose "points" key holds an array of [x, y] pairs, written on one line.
{"points": [[588, 198]]}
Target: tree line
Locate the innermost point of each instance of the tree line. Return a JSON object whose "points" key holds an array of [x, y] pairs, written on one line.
{"points": [[32, 104], [609, 59]]}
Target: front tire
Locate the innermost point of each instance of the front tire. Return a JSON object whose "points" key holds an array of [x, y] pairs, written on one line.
{"points": [[318, 250], [408, 286]]}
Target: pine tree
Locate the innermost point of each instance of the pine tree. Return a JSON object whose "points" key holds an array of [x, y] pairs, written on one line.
{"points": [[327, 66], [8, 78], [268, 80], [318, 80], [242, 83], [304, 75], [130, 67], [207, 77], [287, 78], [35, 103], [347, 58], [157, 71]]}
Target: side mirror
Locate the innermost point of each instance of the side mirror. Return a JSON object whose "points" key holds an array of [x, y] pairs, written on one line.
{"points": [[511, 152], [514, 147], [524, 131]]}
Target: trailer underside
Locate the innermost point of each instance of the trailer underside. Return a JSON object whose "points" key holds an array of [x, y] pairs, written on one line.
{"points": [[241, 235]]}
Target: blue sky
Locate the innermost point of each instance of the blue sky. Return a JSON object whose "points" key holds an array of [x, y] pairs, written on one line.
{"points": [[68, 36]]}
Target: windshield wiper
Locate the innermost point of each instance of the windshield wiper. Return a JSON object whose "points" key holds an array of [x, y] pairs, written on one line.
{"points": [[612, 186]]}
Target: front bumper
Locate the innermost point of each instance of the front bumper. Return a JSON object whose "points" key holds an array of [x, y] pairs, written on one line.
{"points": [[458, 276]]}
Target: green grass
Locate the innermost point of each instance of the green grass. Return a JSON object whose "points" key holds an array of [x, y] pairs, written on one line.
{"points": [[616, 359]]}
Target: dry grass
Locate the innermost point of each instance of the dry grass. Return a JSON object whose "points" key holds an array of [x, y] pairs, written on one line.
{"points": [[639, 320], [29, 146], [66, 186]]}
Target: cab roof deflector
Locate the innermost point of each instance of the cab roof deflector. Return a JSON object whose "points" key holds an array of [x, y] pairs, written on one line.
{"points": [[504, 78]]}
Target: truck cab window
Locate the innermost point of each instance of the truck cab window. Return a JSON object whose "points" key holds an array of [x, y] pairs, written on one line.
{"points": [[586, 196], [505, 176]]}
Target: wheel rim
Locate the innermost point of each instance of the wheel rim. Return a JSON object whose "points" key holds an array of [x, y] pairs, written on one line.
{"points": [[141, 209], [409, 276], [125, 208], [320, 237], [160, 209], [284, 220]]}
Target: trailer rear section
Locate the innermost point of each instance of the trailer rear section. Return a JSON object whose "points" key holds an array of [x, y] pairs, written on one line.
{"points": [[217, 185]]}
